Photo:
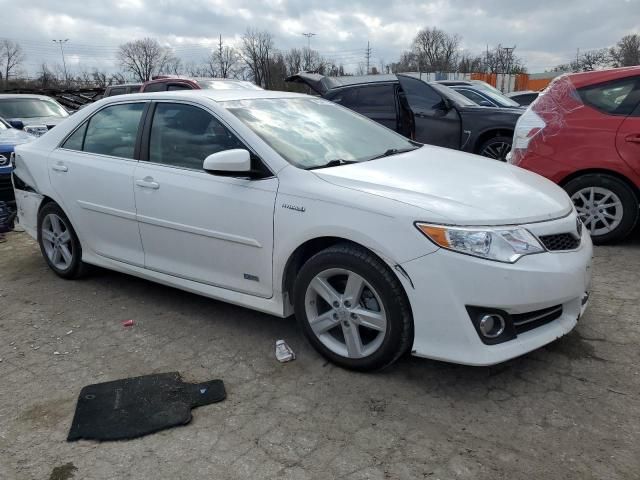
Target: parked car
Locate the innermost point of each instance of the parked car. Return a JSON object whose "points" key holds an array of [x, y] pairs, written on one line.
{"points": [[164, 83], [35, 114], [523, 97], [123, 89], [481, 93], [583, 133], [9, 138], [287, 203], [423, 111]]}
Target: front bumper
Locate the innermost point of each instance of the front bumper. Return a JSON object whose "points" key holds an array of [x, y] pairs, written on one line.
{"points": [[445, 283]]}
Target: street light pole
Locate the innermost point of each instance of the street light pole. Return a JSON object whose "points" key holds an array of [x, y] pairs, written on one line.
{"points": [[308, 55], [64, 64]]}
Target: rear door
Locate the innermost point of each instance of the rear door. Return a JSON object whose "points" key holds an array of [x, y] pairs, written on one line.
{"points": [[628, 135], [434, 123]]}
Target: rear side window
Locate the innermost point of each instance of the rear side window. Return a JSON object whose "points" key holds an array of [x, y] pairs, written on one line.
{"points": [[471, 95], [113, 130], [76, 141], [117, 91], [156, 87], [378, 97], [179, 86], [184, 135], [615, 98]]}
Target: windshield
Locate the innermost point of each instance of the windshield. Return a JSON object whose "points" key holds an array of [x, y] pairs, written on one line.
{"points": [[310, 132], [30, 108], [454, 96], [498, 97]]}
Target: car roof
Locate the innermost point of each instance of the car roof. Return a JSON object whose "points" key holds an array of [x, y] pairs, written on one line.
{"points": [[215, 95], [4, 96], [455, 83], [599, 76]]}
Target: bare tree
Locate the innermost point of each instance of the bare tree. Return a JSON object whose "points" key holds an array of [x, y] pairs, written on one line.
{"points": [[503, 60], [225, 59], [626, 53], [470, 63], [173, 66], [436, 50], [587, 61], [143, 58], [293, 61], [11, 56], [257, 49]]}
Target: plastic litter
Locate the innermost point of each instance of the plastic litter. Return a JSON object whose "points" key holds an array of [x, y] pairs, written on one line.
{"points": [[284, 352], [69, 332], [127, 323]]}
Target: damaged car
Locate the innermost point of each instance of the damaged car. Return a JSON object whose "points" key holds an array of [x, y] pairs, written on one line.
{"points": [[35, 114], [427, 112], [292, 204]]}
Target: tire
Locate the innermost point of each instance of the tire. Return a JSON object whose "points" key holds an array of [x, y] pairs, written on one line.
{"points": [[67, 263], [379, 319], [496, 147], [613, 202]]}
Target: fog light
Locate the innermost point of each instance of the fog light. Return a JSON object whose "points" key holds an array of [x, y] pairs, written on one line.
{"points": [[492, 325]]}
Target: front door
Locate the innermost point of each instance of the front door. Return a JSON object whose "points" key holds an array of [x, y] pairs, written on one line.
{"points": [[433, 122], [92, 173], [195, 225]]}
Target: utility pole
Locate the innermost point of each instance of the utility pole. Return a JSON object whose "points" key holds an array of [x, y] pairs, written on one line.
{"points": [[368, 56], [508, 52], [308, 56], [64, 64], [223, 73]]}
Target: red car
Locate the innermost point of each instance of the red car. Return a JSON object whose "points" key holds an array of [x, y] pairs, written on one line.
{"points": [[166, 82], [583, 132]]}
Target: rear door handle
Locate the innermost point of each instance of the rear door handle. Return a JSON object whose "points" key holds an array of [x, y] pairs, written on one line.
{"points": [[58, 167], [148, 182], [634, 138]]}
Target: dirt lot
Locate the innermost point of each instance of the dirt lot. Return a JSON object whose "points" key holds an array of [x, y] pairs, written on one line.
{"points": [[568, 411]]}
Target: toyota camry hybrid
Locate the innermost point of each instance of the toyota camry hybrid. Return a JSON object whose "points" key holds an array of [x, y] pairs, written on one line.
{"points": [[290, 204]]}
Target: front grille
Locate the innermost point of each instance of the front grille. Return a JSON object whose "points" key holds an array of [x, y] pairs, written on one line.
{"points": [[560, 241], [6, 188], [523, 322]]}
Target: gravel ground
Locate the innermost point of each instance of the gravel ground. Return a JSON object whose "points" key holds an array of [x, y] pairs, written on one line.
{"points": [[567, 411]]}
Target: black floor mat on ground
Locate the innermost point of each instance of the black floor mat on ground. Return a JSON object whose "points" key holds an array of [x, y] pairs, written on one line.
{"points": [[133, 407]]}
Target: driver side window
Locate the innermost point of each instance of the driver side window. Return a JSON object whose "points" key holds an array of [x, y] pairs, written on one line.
{"points": [[184, 135]]}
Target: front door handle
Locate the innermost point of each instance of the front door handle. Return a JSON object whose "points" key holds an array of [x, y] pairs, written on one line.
{"points": [[634, 138], [58, 167], [148, 182]]}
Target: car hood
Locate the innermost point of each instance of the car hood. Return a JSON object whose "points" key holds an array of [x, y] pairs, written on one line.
{"points": [[11, 137], [48, 121], [462, 188]]}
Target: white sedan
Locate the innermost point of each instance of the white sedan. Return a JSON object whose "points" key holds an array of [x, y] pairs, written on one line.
{"points": [[290, 204]]}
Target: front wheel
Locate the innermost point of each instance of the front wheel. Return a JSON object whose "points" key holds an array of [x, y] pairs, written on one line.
{"points": [[496, 148], [353, 309], [607, 206]]}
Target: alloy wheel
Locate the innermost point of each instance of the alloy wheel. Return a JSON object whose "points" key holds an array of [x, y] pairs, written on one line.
{"points": [[345, 313], [599, 208], [57, 242], [496, 150]]}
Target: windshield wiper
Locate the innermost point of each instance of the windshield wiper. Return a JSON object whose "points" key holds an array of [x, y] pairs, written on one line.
{"points": [[333, 163], [394, 151]]}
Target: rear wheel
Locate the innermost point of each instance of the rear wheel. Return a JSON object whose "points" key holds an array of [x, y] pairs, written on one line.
{"points": [[607, 206], [496, 148], [352, 308], [59, 243]]}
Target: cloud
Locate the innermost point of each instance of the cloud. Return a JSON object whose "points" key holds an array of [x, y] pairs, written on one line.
{"points": [[545, 32]]}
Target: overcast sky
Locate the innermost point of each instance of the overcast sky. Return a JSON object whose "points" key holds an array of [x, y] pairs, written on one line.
{"points": [[545, 32]]}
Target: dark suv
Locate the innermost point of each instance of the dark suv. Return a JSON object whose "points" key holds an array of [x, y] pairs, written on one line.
{"points": [[423, 111]]}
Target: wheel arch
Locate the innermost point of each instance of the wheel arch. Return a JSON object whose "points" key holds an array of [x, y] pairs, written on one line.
{"points": [[603, 171], [310, 247]]}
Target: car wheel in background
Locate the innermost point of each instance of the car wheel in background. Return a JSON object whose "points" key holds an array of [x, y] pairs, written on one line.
{"points": [[59, 243], [496, 148], [607, 206], [352, 308]]}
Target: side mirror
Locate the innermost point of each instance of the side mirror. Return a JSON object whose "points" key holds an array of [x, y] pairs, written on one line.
{"points": [[230, 163], [16, 124], [446, 104]]}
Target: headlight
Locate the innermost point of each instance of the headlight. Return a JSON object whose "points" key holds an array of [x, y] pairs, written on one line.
{"points": [[502, 244], [36, 130]]}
